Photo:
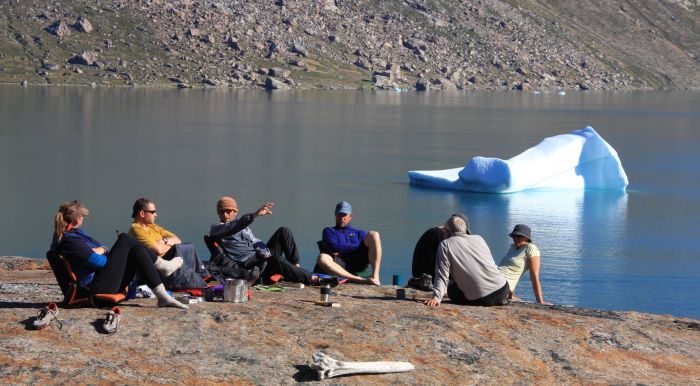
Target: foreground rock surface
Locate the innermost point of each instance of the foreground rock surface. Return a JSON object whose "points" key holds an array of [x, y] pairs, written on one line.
{"points": [[271, 339]]}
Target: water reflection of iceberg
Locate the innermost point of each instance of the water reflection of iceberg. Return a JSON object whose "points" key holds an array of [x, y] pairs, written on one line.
{"points": [[579, 159], [576, 230]]}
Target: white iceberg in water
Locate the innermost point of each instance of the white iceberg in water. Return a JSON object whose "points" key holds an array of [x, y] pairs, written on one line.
{"points": [[577, 160]]}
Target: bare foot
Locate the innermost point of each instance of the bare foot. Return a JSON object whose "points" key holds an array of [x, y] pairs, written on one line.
{"points": [[373, 281]]}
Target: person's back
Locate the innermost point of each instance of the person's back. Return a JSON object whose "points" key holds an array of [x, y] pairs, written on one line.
{"points": [[467, 260], [471, 265]]}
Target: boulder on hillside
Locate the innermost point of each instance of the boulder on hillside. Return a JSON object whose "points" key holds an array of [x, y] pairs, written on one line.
{"points": [[422, 85], [233, 43], [87, 58], [275, 84], [279, 72], [83, 25], [299, 50], [382, 80], [59, 28]]}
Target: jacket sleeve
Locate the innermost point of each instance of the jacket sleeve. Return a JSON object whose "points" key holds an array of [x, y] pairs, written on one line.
{"points": [[220, 229], [442, 271]]}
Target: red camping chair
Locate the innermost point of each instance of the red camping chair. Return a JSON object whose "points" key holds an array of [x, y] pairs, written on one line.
{"points": [[74, 294]]}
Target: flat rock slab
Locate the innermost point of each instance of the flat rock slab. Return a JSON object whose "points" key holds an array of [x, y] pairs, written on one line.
{"points": [[270, 340]]}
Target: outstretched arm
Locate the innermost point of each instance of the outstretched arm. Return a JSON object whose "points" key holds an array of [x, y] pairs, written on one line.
{"points": [[534, 262]]}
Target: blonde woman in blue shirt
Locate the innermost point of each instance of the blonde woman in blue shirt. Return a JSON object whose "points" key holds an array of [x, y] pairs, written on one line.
{"points": [[522, 256]]}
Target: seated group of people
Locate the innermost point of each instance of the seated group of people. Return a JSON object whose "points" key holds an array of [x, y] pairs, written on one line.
{"points": [[153, 252], [465, 269], [449, 251]]}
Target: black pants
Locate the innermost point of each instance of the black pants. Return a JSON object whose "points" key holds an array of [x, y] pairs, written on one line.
{"points": [[285, 255], [498, 297], [425, 252], [127, 257]]}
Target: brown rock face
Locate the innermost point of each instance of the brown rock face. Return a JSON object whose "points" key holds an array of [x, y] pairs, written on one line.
{"points": [[270, 340]]}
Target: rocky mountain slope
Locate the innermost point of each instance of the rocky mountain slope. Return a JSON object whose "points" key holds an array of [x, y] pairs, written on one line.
{"points": [[412, 44], [270, 340]]}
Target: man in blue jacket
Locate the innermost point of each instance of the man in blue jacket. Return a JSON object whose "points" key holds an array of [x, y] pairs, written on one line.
{"points": [[345, 251]]}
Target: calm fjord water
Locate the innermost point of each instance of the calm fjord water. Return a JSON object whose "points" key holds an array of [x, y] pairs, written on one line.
{"points": [[306, 150]]}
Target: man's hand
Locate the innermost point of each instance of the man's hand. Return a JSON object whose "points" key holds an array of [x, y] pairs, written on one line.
{"points": [[432, 302], [264, 210]]}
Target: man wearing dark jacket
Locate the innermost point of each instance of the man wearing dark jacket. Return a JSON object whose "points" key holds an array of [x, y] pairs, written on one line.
{"points": [[279, 256]]}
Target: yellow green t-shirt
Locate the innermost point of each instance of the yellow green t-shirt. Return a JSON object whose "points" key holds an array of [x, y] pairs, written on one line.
{"points": [[515, 263], [149, 234]]}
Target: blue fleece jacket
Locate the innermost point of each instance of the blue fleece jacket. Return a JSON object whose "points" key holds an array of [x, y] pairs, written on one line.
{"points": [[76, 246], [342, 240]]}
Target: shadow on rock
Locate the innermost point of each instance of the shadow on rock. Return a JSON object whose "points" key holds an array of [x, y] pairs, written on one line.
{"points": [[305, 374], [21, 305]]}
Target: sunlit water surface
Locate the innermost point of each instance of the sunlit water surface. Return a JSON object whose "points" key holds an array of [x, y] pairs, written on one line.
{"points": [[306, 150]]}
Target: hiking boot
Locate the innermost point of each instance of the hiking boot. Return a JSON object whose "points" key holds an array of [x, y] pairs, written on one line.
{"points": [[111, 322], [45, 316], [333, 281]]}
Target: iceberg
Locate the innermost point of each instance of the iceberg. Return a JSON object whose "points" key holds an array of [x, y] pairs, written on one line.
{"points": [[580, 159]]}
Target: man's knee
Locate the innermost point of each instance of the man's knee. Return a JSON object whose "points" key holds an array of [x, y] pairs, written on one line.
{"points": [[372, 238], [324, 259], [284, 233]]}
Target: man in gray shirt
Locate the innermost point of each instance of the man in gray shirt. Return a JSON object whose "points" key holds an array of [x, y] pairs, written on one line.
{"points": [[467, 260]]}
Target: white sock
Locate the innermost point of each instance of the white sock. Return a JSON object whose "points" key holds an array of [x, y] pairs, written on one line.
{"points": [[165, 300], [167, 267]]}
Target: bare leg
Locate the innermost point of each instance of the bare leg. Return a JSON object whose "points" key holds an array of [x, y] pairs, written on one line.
{"points": [[327, 264], [374, 245]]}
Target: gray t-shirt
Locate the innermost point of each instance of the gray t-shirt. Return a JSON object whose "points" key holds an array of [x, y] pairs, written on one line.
{"points": [[467, 259]]}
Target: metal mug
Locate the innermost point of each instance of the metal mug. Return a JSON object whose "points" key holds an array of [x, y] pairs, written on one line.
{"points": [[236, 291]]}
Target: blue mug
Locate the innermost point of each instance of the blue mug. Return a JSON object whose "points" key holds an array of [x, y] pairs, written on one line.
{"points": [[131, 293]]}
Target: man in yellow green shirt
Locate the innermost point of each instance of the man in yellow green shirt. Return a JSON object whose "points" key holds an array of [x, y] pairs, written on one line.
{"points": [[156, 238]]}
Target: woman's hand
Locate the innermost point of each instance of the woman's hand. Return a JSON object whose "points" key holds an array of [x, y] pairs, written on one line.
{"points": [[264, 210], [100, 250]]}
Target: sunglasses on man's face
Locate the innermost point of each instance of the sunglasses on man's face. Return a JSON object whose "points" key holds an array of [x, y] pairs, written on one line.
{"points": [[228, 211], [150, 211]]}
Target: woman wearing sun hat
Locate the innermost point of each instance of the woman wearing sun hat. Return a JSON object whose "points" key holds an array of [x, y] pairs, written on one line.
{"points": [[522, 256]]}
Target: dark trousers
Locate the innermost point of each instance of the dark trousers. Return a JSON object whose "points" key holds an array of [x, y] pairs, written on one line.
{"points": [[127, 257], [425, 252], [285, 255], [498, 297]]}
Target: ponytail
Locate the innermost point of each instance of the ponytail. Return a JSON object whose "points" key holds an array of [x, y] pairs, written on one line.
{"points": [[59, 226]]}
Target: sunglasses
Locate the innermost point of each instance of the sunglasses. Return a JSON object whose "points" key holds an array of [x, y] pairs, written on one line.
{"points": [[227, 211], [150, 211]]}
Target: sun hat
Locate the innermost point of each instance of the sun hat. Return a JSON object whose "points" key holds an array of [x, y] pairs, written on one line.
{"points": [[522, 230]]}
